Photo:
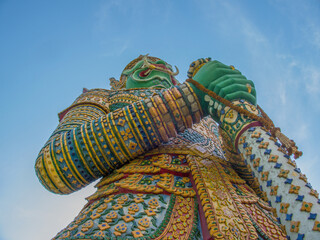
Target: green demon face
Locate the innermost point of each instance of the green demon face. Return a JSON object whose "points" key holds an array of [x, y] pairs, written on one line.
{"points": [[149, 72]]}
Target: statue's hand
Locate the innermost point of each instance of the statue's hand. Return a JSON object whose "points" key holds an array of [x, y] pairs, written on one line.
{"points": [[226, 82]]}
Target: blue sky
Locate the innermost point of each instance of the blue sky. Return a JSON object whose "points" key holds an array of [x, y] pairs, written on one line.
{"points": [[50, 50]]}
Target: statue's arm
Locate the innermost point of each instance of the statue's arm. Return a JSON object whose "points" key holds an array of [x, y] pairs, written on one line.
{"points": [[80, 153], [285, 186]]}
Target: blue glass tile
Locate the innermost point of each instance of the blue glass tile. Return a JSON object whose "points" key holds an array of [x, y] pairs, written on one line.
{"points": [[288, 181], [312, 216], [278, 199], [269, 183], [268, 151], [259, 140], [298, 170], [309, 185], [300, 198], [278, 165], [289, 217]]}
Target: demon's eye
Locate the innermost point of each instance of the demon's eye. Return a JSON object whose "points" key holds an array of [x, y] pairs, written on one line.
{"points": [[145, 73]]}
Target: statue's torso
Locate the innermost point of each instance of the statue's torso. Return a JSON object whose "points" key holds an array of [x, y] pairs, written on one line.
{"points": [[184, 189]]}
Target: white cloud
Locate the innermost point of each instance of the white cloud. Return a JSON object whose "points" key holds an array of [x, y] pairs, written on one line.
{"points": [[312, 80]]}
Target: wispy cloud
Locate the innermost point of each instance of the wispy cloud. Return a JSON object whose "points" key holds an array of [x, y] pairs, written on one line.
{"points": [[312, 80]]}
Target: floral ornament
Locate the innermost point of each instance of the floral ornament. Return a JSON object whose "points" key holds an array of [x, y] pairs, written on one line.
{"points": [[133, 208], [102, 207], [99, 234], [126, 134], [292, 163], [128, 218], [242, 139], [119, 229], [303, 177], [294, 189], [143, 223], [185, 209], [80, 234], [274, 190], [72, 227], [248, 151], [150, 212], [273, 158], [283, 173], [306, 206], [229, 114], [108, 199], [66, 234], [314, 193], [117, 206], [93, 205], [284, 207], [111, 215], [316, 226], [255, 134], [264, 145], [138, 199], [80, 218], [103, 226], [294, 226], [95, 216], [264, 176], [87, 225], [256, 162], [137, 234], [122, 199]]}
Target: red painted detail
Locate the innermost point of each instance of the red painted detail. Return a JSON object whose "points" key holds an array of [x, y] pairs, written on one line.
{"points": [[62, 114], [174, 81]]}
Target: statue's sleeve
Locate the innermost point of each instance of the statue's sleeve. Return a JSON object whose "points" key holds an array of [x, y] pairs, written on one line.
{"points": [[284, 186], [90, 142]]}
